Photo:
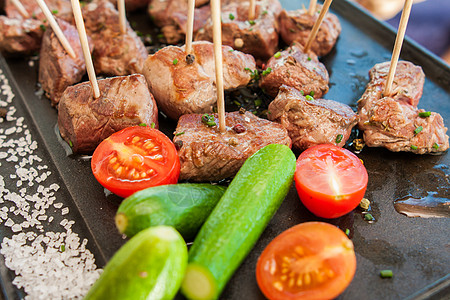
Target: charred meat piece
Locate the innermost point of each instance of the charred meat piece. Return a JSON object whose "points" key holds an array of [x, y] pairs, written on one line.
{"points": [[296, 25], [171, 17], [293, 67], [60, 8], [57, 70], [84, 121], [258, 37], [394, 121], [114, 53], [20, 37], [182, 87], [208, 155], [310, 121]]}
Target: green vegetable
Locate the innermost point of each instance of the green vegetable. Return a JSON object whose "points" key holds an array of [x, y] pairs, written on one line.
{"points": [[238, 220], [175, 61], [386, 273], [266, 71], [231, 16], [425, 114], [309, 98], [209, 120], [183, 206], [339, 138], [418, 129], [436, 146], [413, 147], [368, 217], [151, 265], [277, 55]]}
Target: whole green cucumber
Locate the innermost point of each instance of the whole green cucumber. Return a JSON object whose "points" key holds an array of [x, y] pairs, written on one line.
{"points": [[183, 206], [238, 220], [151, 265]]}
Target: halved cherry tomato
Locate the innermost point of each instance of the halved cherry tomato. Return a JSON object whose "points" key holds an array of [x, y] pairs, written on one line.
{"points": [[135, 158], [313, 260], [330, 181]]}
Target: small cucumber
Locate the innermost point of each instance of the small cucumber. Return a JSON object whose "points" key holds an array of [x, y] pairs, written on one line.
{"points": [[151, 265], [183, 206], [238, 220]]}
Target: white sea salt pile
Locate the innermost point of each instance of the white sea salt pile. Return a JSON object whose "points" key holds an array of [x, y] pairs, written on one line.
{"points": [[48, 264]]}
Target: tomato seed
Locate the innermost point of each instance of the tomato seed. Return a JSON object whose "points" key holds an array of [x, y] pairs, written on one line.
{"points": [[283, 278], [135, 140], [299, 281], [307, 279], [278, 285], [113, 160], [284, 271], [291, 282], [119, 170]]}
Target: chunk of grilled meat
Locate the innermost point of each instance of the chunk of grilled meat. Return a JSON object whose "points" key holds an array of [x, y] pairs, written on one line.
{"points": [[60, 8], [57, 70], [84, 121], [312, 122], [20, 37], [171, 17], [393, 121], [258, 37], [182, 87], [296, 25], [114, 53], [293, 67], [208, 155]]}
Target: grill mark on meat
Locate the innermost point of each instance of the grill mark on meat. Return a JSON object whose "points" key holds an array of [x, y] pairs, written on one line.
{"points": [[125, 101], [181, 88], [259, 39], [114, 53], [313, 122], [57, 70], [208, 155], [390, 120], [296, 25], [297, 69]]}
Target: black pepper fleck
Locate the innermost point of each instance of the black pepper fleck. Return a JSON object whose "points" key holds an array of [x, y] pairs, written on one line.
{"points": [[238, 128], [178, 144], [190, 58]]}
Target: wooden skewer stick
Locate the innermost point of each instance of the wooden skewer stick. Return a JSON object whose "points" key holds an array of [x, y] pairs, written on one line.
{"points": [[85, 46], [217, 39], [398, 46], [190, 26], [252, 10], [315, 29], [21, 8], [312, 7], [56, 29], [122, 16]]}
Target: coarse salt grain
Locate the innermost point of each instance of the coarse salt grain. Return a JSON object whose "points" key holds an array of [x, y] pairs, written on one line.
{"points": [[33, 252]]}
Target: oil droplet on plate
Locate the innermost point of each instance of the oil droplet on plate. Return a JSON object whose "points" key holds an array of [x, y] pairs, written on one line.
{"points": [[430, 206]]}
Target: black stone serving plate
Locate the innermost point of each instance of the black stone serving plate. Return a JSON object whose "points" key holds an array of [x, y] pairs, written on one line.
{"points": [[416, 249]]}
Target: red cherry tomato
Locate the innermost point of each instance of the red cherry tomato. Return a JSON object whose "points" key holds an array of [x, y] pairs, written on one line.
{"points": [[135, 158], [313, 260], [330, 181]]}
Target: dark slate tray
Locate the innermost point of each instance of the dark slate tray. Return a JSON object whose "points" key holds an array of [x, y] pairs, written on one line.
{"points": [[416, 249]]}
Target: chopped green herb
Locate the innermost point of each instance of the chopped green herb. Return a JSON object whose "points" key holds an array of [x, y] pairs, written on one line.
{"points": [[231, 16], [302, 92], [152, 125], [62, 248], [138, 33], [266, 71], [253, 74], [142, 124], [70, 144], [339, 138], [237, 103], [277, 55], [386, 274], [309, 58], [347, 231], [368, 217], [43, 28], [413, 147], [175, 61], [55, 11], [251, 22], [312, 93], [264, 12], [208, 120], [309, 98], [292, 30], [160, 36], [418, 129], [179, 133], [258, 102], [231, 50], [436, 146], [425, 114]]}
